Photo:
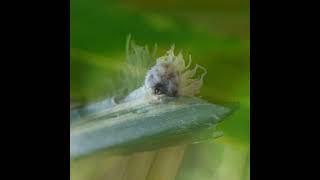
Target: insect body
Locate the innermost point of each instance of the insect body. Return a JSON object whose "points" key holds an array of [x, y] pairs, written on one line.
{"points": [[163, 78], [172, 77]]}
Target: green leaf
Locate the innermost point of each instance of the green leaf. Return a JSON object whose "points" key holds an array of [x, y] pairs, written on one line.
{"points": [[144, 125]]}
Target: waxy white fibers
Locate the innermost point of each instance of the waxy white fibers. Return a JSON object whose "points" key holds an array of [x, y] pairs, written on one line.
{"points": [[170, 76]]}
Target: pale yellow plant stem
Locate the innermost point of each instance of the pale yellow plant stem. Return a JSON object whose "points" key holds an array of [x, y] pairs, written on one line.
{"points": [[95, 166], [139, 165], [166, 163]]}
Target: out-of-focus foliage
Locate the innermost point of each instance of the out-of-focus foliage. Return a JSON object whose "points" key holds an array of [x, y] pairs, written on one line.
{"points": [[216, 34]]}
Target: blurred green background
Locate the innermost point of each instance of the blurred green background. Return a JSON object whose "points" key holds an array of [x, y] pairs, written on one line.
{"points": [[216, 34]]}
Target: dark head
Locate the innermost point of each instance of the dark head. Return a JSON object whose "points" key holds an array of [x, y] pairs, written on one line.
{"points": [[163, 79]]}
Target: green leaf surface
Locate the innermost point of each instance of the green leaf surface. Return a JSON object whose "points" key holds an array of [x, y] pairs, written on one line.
{"points": [[145, 125]]}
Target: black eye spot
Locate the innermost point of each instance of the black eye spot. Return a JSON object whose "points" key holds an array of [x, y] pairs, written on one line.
{"points": [[157, 91], [160, 89]]}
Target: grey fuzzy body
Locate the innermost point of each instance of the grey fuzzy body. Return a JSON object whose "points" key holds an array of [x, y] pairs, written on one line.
{"points": [[163, 78]]}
